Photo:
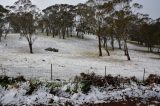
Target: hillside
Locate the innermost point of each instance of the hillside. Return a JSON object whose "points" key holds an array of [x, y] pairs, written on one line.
{"points": [[74, 56]]}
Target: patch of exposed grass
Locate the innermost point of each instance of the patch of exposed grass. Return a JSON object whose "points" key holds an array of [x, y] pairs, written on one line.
{"points": [[90, 54]]}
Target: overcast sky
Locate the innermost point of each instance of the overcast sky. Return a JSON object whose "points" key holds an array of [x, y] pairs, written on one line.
{"points": [[151, 7]]}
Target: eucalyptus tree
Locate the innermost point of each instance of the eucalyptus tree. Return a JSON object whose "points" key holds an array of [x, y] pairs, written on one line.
{"points": [[99, 18], [122, 22], [108, 10], [66, 19], [84, 19], [103, 9], [149, 30], [41, 25], [50, 18], [25, 15], [3, 13], [60, 19], [157, 33], [137, 34], [106, 37], [123, 18]]}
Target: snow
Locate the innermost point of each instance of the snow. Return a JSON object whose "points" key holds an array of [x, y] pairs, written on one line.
{"points": [[16, 96], [74, 56]]}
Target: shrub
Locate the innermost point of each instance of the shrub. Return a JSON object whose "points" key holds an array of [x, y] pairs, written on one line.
{"points": [[4, 81], [33, 85], [20, 79], [152, 78], [85, 86]]}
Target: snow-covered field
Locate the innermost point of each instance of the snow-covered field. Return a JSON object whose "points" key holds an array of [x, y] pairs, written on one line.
{"points": [[74, 56]]}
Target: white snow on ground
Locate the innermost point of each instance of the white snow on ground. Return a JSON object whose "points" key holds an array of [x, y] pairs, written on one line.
{"points": [[17, 96], [74, 56]]}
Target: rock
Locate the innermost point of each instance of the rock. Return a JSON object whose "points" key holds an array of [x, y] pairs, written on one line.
{"points": [[48, 49], [51, 49], [55, 50]]}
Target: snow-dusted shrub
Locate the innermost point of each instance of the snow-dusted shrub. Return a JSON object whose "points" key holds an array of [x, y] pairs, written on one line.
{"points": [[55, 84], [85, 86], [5, 80], [33, 85], [152, 78]]}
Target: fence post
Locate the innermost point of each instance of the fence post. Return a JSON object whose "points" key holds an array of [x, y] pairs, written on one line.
{"points": [[51, 71], [105, 71], [144, 74]]}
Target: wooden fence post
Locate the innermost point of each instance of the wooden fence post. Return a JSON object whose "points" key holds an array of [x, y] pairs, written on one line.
{"points": [[51, 71], [144, 74], [105, 71]]}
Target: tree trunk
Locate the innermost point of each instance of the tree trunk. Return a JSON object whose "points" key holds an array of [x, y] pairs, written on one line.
{"points": [[56, 32], [50, 30], [150, 49], [67, 31], [30, 47], [71, 30], [20, 35], [112, 42], [42, 30], [63, 33], [158, 50], [47, 32], [5, 37], [77, 34], [119, 44], [107, 51], [126, 50], [99, 45], [83, 35], [0, 34], [6, 33], [60, 33], [106, 48], [53, 32], [104, 42], [141, 43]]}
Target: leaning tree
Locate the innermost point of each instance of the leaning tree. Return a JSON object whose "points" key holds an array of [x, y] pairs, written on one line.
{"points": [[123, 17]]}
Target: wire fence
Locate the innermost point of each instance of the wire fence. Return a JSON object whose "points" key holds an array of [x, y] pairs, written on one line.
{"points": [[39, 73], [51, 73]]}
